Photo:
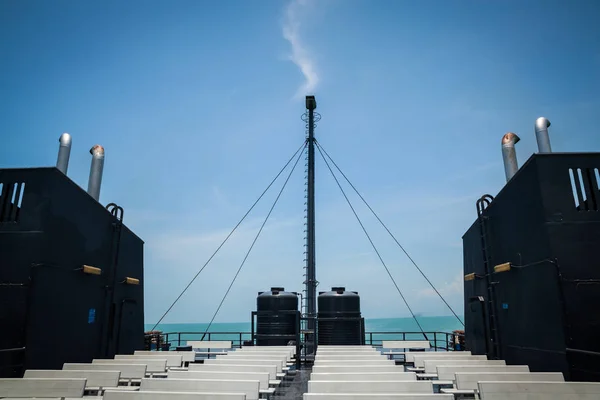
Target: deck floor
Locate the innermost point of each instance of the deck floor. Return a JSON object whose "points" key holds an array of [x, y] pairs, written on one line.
{"points": [[293, 389]]}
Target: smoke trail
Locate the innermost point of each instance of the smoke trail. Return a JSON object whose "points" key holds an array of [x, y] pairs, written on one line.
{"points": [[300, 55]]}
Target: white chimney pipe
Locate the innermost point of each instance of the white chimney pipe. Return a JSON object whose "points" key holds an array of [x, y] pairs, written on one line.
{"points": [[509, 155], [96, 169], [64, 152], [541, 134]]}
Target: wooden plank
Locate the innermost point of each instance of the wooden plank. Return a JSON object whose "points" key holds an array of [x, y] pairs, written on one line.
{"points": [[382, 361], [173, 360], [410, 356], [356, 368], [468, 380], [426, 376], [375, 356], [253, 354], [270, 369], [245, 361], [128, 371], [448, 371], [94, 379], [261, 377], [431, 365], [42, 387], [121, 395], [187, 356], [419, 359], [378, 396], [356, 352], [517, 390], [437, 382], [370, 387], [363, 376], [249, 387], [152, 364]]}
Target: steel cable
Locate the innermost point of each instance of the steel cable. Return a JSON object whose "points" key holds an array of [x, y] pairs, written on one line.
{"points": [[231, 233], [392, 235], [252, 245], [372, 244]]}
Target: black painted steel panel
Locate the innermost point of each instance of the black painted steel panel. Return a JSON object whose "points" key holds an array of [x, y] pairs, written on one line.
{"points": [[548, 305], [339, 319], [274, 327], [47, 304]]}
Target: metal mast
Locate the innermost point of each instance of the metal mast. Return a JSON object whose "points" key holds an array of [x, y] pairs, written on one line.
{"points": [[310, 117]]}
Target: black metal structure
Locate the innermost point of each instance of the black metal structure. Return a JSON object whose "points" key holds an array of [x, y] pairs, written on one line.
{"points": [[273, 328], [532, 269], [493, 345], [256, 337], [310, 281], [71, 274], [339, 318]]}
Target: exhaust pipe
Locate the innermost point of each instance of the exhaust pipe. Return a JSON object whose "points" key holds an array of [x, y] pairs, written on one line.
{"points": [[541, 135], [64, 152], [509, 155], [95, 180]]}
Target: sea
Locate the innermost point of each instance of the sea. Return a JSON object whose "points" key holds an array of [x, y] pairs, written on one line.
{"points": [[376, 330]]}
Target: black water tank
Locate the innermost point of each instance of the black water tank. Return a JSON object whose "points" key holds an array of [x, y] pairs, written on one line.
{"points": [[339, 320], [276, 318]]}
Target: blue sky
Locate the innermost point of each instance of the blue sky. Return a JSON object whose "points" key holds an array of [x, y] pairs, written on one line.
{"points": [[198, 105]]}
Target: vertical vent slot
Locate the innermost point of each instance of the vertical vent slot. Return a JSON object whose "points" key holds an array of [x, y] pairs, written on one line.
{"points": [[7, 192], [585, 185], [574, 188], [21, 193], [580, 180], [589, 180], [3, 189], [11, 199]]}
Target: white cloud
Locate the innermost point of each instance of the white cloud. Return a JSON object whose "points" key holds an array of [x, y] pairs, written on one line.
{"points": [[453, 288], [181, 246], [300, 55], [276, 260]]}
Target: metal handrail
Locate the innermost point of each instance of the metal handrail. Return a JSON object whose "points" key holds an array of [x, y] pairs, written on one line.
{"points": [[237, 338], [439, 340]]}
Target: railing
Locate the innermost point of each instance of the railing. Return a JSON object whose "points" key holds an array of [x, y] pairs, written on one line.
{"points": [[440, 341], [173, 339]]}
